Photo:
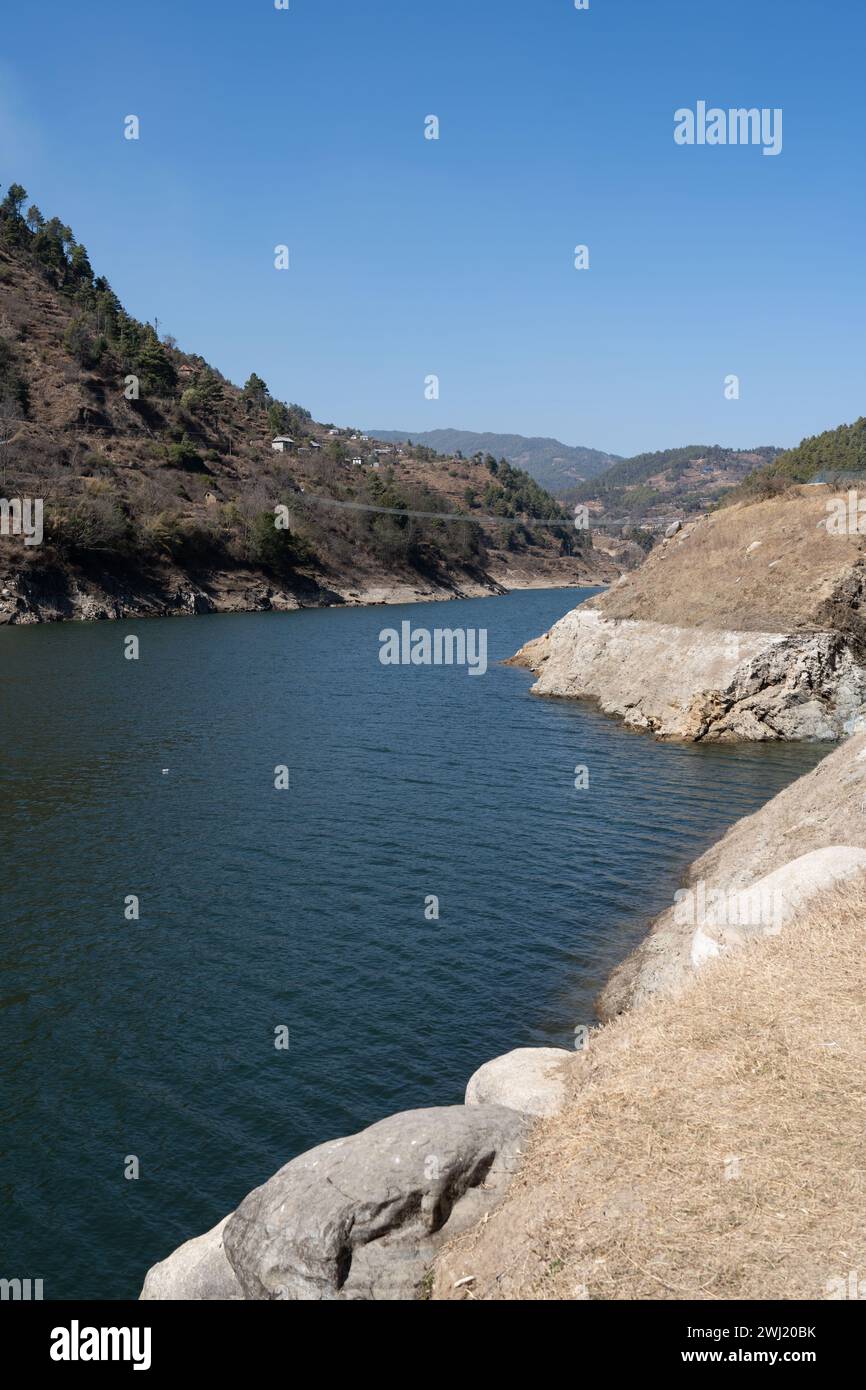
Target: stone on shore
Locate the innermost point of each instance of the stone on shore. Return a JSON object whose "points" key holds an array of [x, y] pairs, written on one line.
{"points": [[362, 1217], [532, 1080], [197, 1270]]}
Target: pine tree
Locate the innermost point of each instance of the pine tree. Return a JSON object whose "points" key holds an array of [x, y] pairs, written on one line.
{"points": [[278, 417], [14, 200], [82, 271], [156, 371], [255, 393]]}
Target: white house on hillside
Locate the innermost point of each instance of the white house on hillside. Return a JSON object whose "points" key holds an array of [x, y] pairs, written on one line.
{"points": [[282, 443]]}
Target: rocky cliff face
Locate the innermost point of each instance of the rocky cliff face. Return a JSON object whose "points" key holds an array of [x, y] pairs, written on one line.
{"points": [[57, 592], [744, 625], [695, 683]]}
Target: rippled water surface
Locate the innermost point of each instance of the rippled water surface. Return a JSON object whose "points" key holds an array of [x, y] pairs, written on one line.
{"points": [[302, 908]]}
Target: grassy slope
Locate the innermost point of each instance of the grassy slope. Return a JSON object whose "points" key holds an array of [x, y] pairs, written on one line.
{"points": [[713, 574], [760, 1059]]}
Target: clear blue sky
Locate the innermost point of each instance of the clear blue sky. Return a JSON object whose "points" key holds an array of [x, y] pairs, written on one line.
{"points": [[455, 257]]}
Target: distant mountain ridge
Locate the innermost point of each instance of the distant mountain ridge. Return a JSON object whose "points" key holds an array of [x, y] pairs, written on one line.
{"points": [[556, 466], [651, 487]]}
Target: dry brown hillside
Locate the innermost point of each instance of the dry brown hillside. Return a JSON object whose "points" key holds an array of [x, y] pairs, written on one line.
{"points": [[160, 480], [768, 566]]}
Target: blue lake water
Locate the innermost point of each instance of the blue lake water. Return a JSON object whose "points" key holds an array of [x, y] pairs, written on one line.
{"points": [[302, 907]]}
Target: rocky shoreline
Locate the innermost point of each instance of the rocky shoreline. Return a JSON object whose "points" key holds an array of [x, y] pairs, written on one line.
{"points": [[744, 625], [699, 684], [369, 1216], [55, 594], [365, 1216], [820, 812], [764, 649]]}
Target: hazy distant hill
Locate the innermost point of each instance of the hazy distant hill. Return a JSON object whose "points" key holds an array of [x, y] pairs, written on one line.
{"points": [[672, 481], [556, 466]]}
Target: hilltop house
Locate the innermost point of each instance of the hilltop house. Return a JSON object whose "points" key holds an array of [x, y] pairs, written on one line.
{"points": [[282, 443]]}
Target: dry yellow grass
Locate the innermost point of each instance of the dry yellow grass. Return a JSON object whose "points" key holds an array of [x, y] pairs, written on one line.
{"points": [[796, 576], [714, 1147]]}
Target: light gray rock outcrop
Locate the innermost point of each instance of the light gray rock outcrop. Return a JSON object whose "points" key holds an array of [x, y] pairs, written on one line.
{"points": [[533, 1080], [362, 1217], [197, 1270], [765, 907], [703, 684], [825, 809]]}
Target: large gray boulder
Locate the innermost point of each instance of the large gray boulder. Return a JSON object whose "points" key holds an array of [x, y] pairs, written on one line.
{"points": [[362, 1217], [533, 1080], [197, 1270]]}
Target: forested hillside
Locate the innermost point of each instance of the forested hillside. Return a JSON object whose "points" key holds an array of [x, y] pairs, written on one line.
{"points": [[828, 455], [680, 481]]}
